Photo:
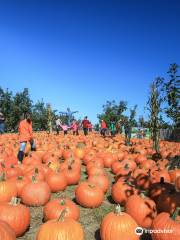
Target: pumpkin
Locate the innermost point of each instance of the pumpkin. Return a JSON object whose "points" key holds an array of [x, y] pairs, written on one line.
{"points": [[6, 232], [60, 229], [56, 181], [165, 221], [20, 182], [7, 189], [142, 209], [100, 180], [36, 193], [16, 215], [54, 208], [89, 195], [121, 191], [118, 225], [174, 174], [177, 184]]}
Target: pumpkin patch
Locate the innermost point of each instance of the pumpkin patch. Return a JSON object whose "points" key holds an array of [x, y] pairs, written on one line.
{"points": [[70, 187]]}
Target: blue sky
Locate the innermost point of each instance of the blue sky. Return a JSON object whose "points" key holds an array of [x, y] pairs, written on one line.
{"points": [[80, 53]]}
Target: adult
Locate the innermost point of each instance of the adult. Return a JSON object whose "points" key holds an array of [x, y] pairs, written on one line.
{"points": [[103, 128], [2, 123], [25, 135], [112, 127], [58, 125], [85, 125], [128, 130]]}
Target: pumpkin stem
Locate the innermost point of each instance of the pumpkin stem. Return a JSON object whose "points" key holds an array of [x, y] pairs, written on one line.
{"points": [[62, 215], [3, 177], [117, 210], [36, 171], [15, 201], [162, 180], [62, 202], [34, 179], [91, 185], [175, 214], [20, 178]]}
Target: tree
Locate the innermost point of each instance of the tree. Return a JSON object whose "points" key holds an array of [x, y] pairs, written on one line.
{"points": [[154, 107], [173, 94], [132, 119], [112, 110], [6, 106], [21, 105]]}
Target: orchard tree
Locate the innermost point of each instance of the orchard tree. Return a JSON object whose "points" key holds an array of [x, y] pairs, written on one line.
{"points": [[112, 110]]}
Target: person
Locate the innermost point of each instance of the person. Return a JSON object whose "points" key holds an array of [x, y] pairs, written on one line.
{"points": [[128, 129], [85, 124], [25, 135], [2, 123], [112, 127], [65, 128], [103, 128], [58, 125], [75, 127], [90, 127]]}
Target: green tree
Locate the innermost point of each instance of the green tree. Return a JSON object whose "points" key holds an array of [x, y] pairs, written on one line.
{"points": [[172, 87], [21, 104], [6, 106], [112, 110]]}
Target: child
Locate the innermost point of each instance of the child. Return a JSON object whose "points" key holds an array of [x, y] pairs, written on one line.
{"points": [[74, 127], [25, 135], [64, 128], [103, 128]]}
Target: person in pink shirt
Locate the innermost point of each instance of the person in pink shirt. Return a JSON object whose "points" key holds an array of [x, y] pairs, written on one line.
{"points": [[75, 127], [64, 128]]}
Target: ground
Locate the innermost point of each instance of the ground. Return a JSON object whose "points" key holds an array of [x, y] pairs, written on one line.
{"points": [[90, 219]]}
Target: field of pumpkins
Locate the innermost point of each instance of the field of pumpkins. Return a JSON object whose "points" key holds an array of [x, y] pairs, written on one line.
{"points": [[77, 187]]}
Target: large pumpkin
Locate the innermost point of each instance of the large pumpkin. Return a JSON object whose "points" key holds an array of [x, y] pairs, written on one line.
{"points": [[16, 215], [142, 209], [118, 225], [89, 195], [60, 229], [164, 221], [56, 181], [6, 232], [36, 193], [7, 189], [54, 208]]}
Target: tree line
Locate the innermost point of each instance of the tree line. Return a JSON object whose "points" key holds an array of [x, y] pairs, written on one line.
{"points": [[163, 100]]}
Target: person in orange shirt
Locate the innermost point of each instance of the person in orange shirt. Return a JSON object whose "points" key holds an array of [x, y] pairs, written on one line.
{"points": [[25, 135]]}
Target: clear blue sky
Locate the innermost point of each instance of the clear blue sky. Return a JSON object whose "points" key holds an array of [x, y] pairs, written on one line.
{"points": [[80, 53]]}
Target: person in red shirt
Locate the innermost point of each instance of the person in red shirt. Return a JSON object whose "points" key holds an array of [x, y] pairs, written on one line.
{"points": [[90, 127], [103, 128], [25, 135], [85, 124]]}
